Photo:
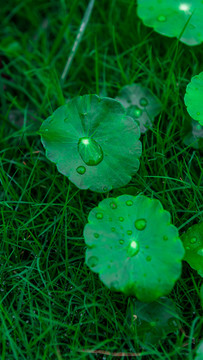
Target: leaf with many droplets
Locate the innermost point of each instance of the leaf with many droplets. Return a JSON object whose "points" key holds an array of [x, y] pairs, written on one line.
{"points": [[193, 243], [193, 97], [133, 246], [174, 18], [93, 142], [152, 321], [193, 134], [199, 351], [141, 104]]}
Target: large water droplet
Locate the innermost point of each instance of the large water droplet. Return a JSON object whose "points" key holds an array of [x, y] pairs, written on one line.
{"points": [[81, 170], [143, 102], [193, 240], [99, 216], [113, 205], [92, 261], [129, 202], [140, 224], [161, 18], [133, 248], [90, 151]]}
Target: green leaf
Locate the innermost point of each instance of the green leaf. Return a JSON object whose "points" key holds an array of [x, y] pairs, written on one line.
{"points": [[193, 243], [152, 322], [174, 18], [141, 104], [193, 134], [133, 246], [201, 295], [93, 142], [193, 98], [199, 352]]}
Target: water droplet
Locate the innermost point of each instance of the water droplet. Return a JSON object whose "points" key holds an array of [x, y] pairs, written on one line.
{"points": [[143, 102], [193, 240], [200, 252], [140, 224], [113, 229], [129, 232], [92, 261], [113, 205], [99, 216], [81, 170], [121, 218], [137, 112], [129, 202], [148, 258], [121, 241], [96, 235], [165, 238], [114, 284], [161, 18], [90, 151], [198, 113], [133, 248]]}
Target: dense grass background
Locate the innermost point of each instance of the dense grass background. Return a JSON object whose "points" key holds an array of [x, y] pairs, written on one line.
{"points": [[51, 304]]}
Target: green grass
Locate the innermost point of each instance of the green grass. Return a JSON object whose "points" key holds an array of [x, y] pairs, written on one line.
{"points": [[51, 304]]}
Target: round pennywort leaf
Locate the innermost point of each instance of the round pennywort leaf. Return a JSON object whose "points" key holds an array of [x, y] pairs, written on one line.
{"points": [[194, 96], [174, 18], [133, 246], [93, 142]]}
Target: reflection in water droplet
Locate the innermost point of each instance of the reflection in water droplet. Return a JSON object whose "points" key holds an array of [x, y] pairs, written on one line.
{"points": [[96, 235], [129, 202], [161, 18], [165, 238], [90, 151], [113, 205], [121, 241], [99, 216], [143, 102], [81, 170], [193, 240], [121, 218], [113, 229], [148, 258], [140, 224], [133, 248], [92, 261], [129, 232]]}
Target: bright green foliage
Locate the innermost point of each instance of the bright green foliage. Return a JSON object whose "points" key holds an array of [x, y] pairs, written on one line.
{"points": [[93, 142], [133, 246], [194, 96], [199, 352], [141, 104], [193, 134], [174, 18], [193, 244], [152, 322]]}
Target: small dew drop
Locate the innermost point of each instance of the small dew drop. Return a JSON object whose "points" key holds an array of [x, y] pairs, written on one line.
{"points": [[148, 258], [121, 241], [161, 18], [129, 202], [198, 113], [193, 240], [81, 170], [200, 252], [113, 229], [92, 261], [96, 235], [140, 224], [152, 323], [99, 216], [121, 218], [137, 112], [129, 232], [113, 205], [143, 102], [46, 130], [165, 238]]}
